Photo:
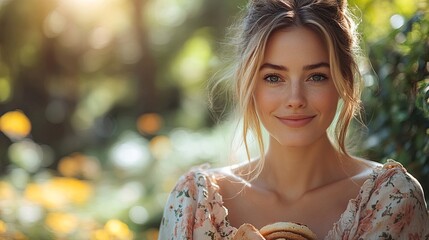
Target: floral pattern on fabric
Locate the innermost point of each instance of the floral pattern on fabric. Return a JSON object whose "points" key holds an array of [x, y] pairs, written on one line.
{"points": [[390, 205], [195, 210]]}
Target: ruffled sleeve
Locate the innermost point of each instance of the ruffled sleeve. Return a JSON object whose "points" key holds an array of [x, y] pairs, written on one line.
{"points": [[194, 210], [391, 205]]}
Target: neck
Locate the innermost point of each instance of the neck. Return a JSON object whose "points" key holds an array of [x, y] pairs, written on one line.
{"points": [[299, 169]]}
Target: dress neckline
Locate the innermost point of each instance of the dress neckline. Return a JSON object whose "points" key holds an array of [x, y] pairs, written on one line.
{"points": [[352, 205]]}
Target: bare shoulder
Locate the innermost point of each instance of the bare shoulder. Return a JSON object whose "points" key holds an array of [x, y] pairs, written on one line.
{"points": [[361, 168], [228, 181], [354, 172], [398, 175]]}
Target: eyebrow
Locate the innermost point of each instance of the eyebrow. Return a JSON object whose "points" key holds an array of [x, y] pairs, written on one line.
{"points": [[317, 65], [284, 68]]}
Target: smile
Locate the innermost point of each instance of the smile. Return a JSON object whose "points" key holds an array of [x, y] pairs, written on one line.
{"points": [[296, 121]]}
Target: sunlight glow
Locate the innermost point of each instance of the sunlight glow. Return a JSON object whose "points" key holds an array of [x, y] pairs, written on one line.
{"points": [[192, 63], [86, 9], [54, 24], [100, 38]]}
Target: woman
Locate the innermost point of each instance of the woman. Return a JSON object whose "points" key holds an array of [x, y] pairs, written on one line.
{"points": [[295, 70]]}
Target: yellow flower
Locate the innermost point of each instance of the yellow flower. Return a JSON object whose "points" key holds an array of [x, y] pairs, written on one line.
{"points": [[77, 191], [118, 230], [3, 227], [6, 191], [100, 234], [45, 196], [62, 223], [78, 164], [59, 192], [15, 124]]}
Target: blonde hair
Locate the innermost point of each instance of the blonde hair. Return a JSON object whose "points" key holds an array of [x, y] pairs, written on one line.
{"points": [[332, 20]]}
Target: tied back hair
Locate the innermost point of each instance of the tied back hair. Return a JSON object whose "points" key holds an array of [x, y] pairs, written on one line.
{"points": [[332, 21]]}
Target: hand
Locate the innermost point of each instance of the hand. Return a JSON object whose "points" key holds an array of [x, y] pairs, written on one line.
{"points": [[248, 232]]}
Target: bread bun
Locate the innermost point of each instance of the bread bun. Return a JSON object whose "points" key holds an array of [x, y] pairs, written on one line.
{"points": [[287, 231]]}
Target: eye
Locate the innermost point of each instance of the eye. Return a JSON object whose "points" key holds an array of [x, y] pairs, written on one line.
{"points": [[318, 77], [272, 78]]}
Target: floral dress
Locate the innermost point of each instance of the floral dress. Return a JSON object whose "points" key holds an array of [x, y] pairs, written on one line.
{"points": [[390, 205]]}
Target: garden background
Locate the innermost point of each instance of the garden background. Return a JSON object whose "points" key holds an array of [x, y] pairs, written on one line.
{"points": [[103, 105]]}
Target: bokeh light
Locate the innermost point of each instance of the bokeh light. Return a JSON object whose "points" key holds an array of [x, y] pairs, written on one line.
{"points": [[62, 223], [116, 229], [54, 24], [5, 89], [59, 192], [149, 123], [27, 155], [131, 192], [79, 165], [15, 124], [192, 63], [160, 147], [103, 107], [6, 191], [3, 227], [397, 21], [139, 214], [29, 212], [131, 153]]}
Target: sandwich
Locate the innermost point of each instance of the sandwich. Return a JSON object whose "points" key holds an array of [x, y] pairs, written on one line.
{"points": [[287, 231]]}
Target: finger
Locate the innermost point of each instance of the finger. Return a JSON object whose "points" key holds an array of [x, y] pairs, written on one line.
{"points": [[248, 232]]}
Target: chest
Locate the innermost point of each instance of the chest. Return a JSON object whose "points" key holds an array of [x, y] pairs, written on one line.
{"points": [[319, 211]]}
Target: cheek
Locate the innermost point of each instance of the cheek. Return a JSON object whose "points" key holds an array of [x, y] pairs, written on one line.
{"points": [[265, 101], [326, 101]]}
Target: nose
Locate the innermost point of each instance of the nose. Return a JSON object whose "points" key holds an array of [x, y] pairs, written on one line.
{"points": [[295, 96]]}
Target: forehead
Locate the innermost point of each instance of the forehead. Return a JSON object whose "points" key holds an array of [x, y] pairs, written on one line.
{"points": [[296, 44]]}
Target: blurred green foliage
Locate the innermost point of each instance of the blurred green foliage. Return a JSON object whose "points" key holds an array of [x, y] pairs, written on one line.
{"points": [[102, 106], [397, 79]]}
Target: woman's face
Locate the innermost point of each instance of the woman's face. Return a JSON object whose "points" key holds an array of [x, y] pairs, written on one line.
{"points": [[295, 95]]}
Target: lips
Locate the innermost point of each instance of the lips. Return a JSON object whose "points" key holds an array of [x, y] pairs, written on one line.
{"points": [[296, 121]]}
